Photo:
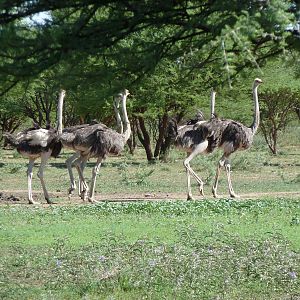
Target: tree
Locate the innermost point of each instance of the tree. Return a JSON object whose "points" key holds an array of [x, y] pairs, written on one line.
{"points": [[10, 117], [276, 112], [233, 33], [170, 91], [95, 48], [279, 97]]}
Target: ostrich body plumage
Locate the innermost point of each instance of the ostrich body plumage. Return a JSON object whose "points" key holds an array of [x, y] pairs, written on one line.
{"points": [[94, 140], [33, 142], [43, 143], [205, 137]]}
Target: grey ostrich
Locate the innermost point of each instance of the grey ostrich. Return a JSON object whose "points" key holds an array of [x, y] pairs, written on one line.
{"points": [[33, 143], [193, 140], [68, 136], [205, 137], [232, 136], [97, 141]]}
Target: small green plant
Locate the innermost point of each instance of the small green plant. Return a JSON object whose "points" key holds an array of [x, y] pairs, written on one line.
{"points": [[15, 169], [296, 179], [138, 177]]}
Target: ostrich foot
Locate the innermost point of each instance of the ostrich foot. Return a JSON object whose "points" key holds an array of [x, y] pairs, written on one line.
{"points": [[234, 195], [201, 190], [71, 192], [49, 201], [215, 195], [92, 200], [31, 201], [190, 198], [84, 195], [214, 192]]}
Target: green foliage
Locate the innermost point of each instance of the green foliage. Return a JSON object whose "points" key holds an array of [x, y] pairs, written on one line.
{"points": [[202, 249], [139, 178], [132, 37]]}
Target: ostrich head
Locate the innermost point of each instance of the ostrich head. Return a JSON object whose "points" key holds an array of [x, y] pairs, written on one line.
{"points": [[118, 97], [257, 81], [62, 93], [126, 92]]}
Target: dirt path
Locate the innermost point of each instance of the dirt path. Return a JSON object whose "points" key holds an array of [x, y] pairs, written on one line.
{"points": [[20, 197]]}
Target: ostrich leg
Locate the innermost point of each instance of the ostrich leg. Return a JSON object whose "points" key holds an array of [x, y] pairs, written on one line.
{"points": [[94, 177], [44, 158], [83, 184], [29, 180], [215, 185], [223, 162], [69, 162], [198, 150], [82, 167], [231, 192], [189, 189]]}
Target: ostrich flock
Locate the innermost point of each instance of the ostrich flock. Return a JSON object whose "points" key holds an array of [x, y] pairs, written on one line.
{"points": [[96, 140]]}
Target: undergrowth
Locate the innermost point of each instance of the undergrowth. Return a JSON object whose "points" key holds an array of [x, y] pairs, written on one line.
{"points": [[199, 265]]}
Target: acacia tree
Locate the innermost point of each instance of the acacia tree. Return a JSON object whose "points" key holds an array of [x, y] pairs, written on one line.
{"points": [[236, 33], [11, 116], [279, 97], [276, 112], [103, 46], [171, 91]]}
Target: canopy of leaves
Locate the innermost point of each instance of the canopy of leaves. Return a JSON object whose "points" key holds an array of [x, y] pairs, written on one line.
{"points": [[128, 38]]}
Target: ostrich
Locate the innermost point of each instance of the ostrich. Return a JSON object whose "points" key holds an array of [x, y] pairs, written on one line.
{"points": [[68, 137], [234, 136], [193, 140], [33, 143], [97, 141], [226, 134]]}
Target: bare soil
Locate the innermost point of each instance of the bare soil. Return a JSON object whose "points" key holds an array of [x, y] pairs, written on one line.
{"points": [[60, 198]]}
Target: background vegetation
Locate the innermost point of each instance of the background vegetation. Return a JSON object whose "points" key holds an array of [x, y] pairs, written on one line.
{"points": [[169, 54]]}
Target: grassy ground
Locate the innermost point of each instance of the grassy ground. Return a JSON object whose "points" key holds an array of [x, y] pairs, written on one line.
{"points": [[254, 171], [171, 249], [213, 249]]}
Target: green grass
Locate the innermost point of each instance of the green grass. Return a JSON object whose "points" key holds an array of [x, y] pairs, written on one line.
{"points": [[207, 249]]}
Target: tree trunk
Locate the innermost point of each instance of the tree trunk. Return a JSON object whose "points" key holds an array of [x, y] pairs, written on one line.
{"points": [[270, 138], [162, 126], [144, 137], [165, 147], [132, 140], [297, 110]]}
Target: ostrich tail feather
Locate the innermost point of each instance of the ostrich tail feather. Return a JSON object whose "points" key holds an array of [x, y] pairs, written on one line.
{"points": [[11, 140]]}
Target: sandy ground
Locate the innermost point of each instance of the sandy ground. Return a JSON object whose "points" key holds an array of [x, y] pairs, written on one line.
{"points": [[20, 197]]}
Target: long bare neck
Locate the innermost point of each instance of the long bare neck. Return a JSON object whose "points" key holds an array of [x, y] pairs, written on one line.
{"points": [[212, 103], [256, 118], [127, 128], [118, 117], [60, 111]]}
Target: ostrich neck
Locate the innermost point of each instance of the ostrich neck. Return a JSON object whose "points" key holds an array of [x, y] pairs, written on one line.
{"points": [[212, 104], [59, 113], [256, 118], [127, 128], [118, 117]]}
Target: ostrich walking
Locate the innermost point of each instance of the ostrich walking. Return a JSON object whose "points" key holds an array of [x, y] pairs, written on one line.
{"points": [[234, 136], [226, 134], [68, 136], [205, 137], [35, 142], [192, 138], [97, 141]]}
